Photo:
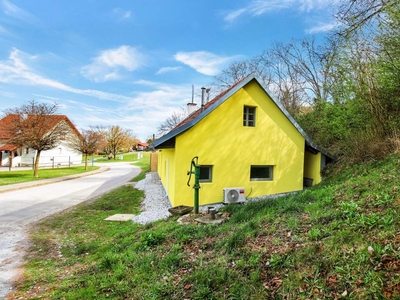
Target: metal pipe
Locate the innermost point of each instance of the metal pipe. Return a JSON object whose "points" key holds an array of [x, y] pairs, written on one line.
{"points": [[203, 89], [196, 188]]}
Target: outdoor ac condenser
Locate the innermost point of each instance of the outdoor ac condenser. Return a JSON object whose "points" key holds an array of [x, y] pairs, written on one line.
{"points": [[234, 195]]}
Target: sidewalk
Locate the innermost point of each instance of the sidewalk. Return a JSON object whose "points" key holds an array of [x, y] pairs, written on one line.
{"points": [[24, 185], [7, 169]]}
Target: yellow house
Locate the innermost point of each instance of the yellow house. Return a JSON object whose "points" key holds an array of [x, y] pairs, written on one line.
{"points": [[243, 138]]}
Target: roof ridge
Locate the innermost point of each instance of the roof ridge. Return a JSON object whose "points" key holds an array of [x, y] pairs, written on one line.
{"points": [[207, 105]]}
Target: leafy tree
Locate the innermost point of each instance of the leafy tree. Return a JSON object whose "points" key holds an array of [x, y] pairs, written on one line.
{"points": [[368, 62], [86, 144], [116, 138], [37, 126]]}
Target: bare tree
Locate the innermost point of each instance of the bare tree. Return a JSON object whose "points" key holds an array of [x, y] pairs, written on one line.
{"points": [[236, 71], [36, 125], [359, 14], [171, 122], [86, 144], [298, 72]]}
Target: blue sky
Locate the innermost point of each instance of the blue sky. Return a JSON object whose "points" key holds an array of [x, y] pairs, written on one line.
{"points": [[133, 63]]}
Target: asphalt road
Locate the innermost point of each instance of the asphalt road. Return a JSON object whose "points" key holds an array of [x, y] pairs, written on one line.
{"points": [[21, 207]]}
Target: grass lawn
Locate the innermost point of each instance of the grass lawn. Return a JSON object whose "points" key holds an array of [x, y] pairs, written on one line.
{"points": [[144, 164], [12, 177], [126, 157], [338, 240]]}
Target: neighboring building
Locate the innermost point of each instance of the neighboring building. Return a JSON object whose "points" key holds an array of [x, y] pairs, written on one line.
{"points": [[24, 156], [243, 138], [141, 146]]}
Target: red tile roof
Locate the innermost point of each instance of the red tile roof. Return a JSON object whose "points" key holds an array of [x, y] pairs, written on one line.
{"points": [[4, 134], [51, 122], [8, 147]]}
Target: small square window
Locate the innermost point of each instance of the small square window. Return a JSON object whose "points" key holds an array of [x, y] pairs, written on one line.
{"points": [[261, 173], [249, 116], [205, 174]]}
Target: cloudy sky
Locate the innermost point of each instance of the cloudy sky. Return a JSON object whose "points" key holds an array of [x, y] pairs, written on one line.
{"points": [[133, 63]]}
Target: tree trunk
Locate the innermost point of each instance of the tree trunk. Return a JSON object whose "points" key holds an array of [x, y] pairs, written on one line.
{"points": [[36, 168], [86, 161]]}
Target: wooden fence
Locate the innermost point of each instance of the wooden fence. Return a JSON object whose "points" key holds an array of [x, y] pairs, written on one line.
{"points": [[153, 161]]}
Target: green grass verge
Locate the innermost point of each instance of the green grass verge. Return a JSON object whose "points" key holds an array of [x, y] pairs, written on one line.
{"points": [[337, 240], [13, 177], [126, 157], [144, 164]]}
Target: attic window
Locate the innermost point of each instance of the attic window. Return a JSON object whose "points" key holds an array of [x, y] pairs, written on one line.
{"points": [[261, 173], [249, 116]]}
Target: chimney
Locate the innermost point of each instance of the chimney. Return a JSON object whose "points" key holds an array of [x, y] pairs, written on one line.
{"points": [[203, 89], [191, 108]]}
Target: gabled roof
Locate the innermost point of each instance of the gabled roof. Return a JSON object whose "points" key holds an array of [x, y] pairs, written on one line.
{"points": [[51, 122], [168, 139], [4, 134], [8, 147], [143, 144]]}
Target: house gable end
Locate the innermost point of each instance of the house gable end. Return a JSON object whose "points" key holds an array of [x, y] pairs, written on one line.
{"points": [[200, 114]]}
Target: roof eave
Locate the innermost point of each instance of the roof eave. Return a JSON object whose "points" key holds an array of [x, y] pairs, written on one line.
{"points": [[157, 143]]}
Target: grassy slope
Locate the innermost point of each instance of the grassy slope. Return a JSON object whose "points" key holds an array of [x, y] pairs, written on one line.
{"points": [[311, 245]]}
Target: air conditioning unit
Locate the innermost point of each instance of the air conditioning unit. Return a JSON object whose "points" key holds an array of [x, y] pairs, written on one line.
{"points": [[234, 195]]}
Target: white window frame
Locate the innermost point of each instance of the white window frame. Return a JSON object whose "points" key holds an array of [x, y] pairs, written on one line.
{"points": [[247, 112]]}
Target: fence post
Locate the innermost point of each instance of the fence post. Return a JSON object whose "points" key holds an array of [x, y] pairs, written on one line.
{"points": [[53, 162], [69, 161]]}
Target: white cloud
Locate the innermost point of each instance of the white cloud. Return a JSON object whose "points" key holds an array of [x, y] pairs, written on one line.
{"points": [[142, 111], [167, 69], [14, 11], [3, 30], [234, 14], [121, 14], [204, 62], [322, 27], [260, 7], [110, 64], [15, 70]]}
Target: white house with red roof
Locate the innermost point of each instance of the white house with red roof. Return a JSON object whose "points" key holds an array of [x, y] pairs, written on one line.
{"points": [[20, 155]]}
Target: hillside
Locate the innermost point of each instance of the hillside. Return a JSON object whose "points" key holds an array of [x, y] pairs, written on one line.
{"points": [[340, 239]]}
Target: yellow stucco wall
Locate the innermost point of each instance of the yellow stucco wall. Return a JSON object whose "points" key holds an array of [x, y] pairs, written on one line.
{"points": [[166, 171], [312, 166], [221, 140]]}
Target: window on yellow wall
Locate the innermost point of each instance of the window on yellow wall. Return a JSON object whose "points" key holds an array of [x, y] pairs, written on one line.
{"points": [[249, 116], [205, 173], [261, 173]]}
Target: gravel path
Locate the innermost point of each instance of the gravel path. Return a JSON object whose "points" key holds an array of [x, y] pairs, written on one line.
{"points": [[13, 244], [155, 205]]}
